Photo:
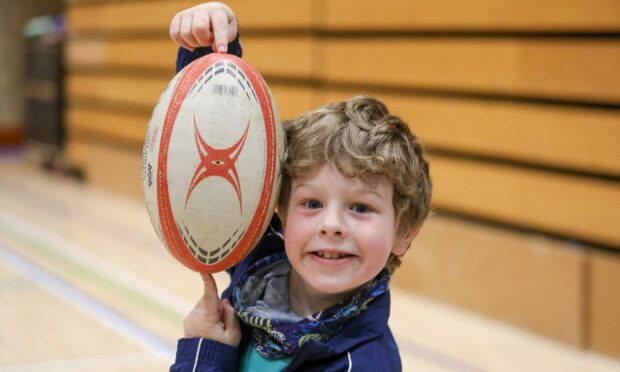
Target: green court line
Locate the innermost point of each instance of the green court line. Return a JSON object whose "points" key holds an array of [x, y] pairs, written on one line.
{"points": [[163, 312]]}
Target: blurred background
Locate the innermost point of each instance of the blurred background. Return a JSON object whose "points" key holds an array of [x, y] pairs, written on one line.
{"points": [[516, 101]]}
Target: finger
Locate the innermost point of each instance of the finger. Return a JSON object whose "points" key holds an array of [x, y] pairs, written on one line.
{"points": [[186, 31], [175, 32], [223, 304], [209, 294], [233, 27], [175, 25], [219, 24], [201, 29], [231, 322]]}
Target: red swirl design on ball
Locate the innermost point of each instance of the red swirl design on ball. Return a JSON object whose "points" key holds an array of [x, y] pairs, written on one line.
{"points": [[217, 162]]}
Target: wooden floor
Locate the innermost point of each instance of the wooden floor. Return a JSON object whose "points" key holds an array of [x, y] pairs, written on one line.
{"points": [[85, 285]]}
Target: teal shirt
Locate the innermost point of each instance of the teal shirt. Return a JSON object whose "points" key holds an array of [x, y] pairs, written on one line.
{"points": [[251, 360]]}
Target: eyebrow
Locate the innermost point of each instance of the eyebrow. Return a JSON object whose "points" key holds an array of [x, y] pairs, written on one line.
{"points": [[300, 185], [369, 191]]}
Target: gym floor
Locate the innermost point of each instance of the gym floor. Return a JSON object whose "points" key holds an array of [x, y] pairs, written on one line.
{"points": [[85, 285]]}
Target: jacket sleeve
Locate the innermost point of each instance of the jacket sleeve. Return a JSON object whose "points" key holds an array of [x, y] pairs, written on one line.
{"points": [[185, 57], [202, 355]]}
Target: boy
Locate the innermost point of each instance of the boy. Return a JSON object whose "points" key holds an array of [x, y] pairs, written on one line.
{"points": [[356, 189]]}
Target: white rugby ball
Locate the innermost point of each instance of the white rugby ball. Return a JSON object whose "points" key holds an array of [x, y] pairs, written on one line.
{"points": [[211, 162]]}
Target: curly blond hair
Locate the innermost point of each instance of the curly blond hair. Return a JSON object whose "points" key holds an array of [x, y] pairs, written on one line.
{"points": [[361, 138]]}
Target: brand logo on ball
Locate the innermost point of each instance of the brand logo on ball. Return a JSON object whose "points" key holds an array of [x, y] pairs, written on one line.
{"points": [[217, 162]]}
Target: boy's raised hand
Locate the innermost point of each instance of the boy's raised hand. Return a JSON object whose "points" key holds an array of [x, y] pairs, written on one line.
{"points": [[212, 24], [211, 318]]}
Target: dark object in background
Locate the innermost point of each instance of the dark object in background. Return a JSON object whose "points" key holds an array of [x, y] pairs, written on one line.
{"points": [[43, 101], [44, 96]]}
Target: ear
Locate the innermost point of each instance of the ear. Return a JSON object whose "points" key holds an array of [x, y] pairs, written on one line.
{"points": [[403, 243]]}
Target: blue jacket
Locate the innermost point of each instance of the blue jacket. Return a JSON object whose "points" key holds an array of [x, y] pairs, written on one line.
{"points": [[363, 344]]}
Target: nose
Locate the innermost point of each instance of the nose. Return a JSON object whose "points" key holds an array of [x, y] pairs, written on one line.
{"points": [[333, 224]]}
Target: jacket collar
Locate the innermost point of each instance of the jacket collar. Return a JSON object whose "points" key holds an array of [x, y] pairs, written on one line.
{"points": [[368, 325]]}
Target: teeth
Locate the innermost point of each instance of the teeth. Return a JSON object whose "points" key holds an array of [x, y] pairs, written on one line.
{"points": [[329, 255]]}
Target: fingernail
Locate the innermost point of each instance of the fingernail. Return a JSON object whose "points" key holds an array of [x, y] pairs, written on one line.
{"points": [[221, 48]]}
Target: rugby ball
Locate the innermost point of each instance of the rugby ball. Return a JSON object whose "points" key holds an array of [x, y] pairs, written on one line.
{"points": [[211, 162]]}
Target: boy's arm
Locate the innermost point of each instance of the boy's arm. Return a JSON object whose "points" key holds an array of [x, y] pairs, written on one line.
{"points": [[199, 354], [202, 29]]}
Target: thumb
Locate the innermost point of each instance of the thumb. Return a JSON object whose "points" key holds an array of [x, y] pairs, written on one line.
{"points": [[209, 295]]}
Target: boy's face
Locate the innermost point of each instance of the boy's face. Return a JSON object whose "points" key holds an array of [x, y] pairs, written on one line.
{"points": [[339, 230]]}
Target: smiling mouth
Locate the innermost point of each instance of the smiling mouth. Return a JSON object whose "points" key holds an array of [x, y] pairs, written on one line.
{"points": [[331, 255]]}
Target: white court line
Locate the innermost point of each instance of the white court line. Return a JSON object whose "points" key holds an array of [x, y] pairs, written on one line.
{"points": [[98, 311], [95, 263], [91, 364]]}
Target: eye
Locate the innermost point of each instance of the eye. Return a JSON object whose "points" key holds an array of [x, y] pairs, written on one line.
{"points": [[312, 204], [360, 208]]}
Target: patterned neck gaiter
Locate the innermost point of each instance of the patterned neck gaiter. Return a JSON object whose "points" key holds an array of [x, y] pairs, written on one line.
{"points": [[261, 301]]}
